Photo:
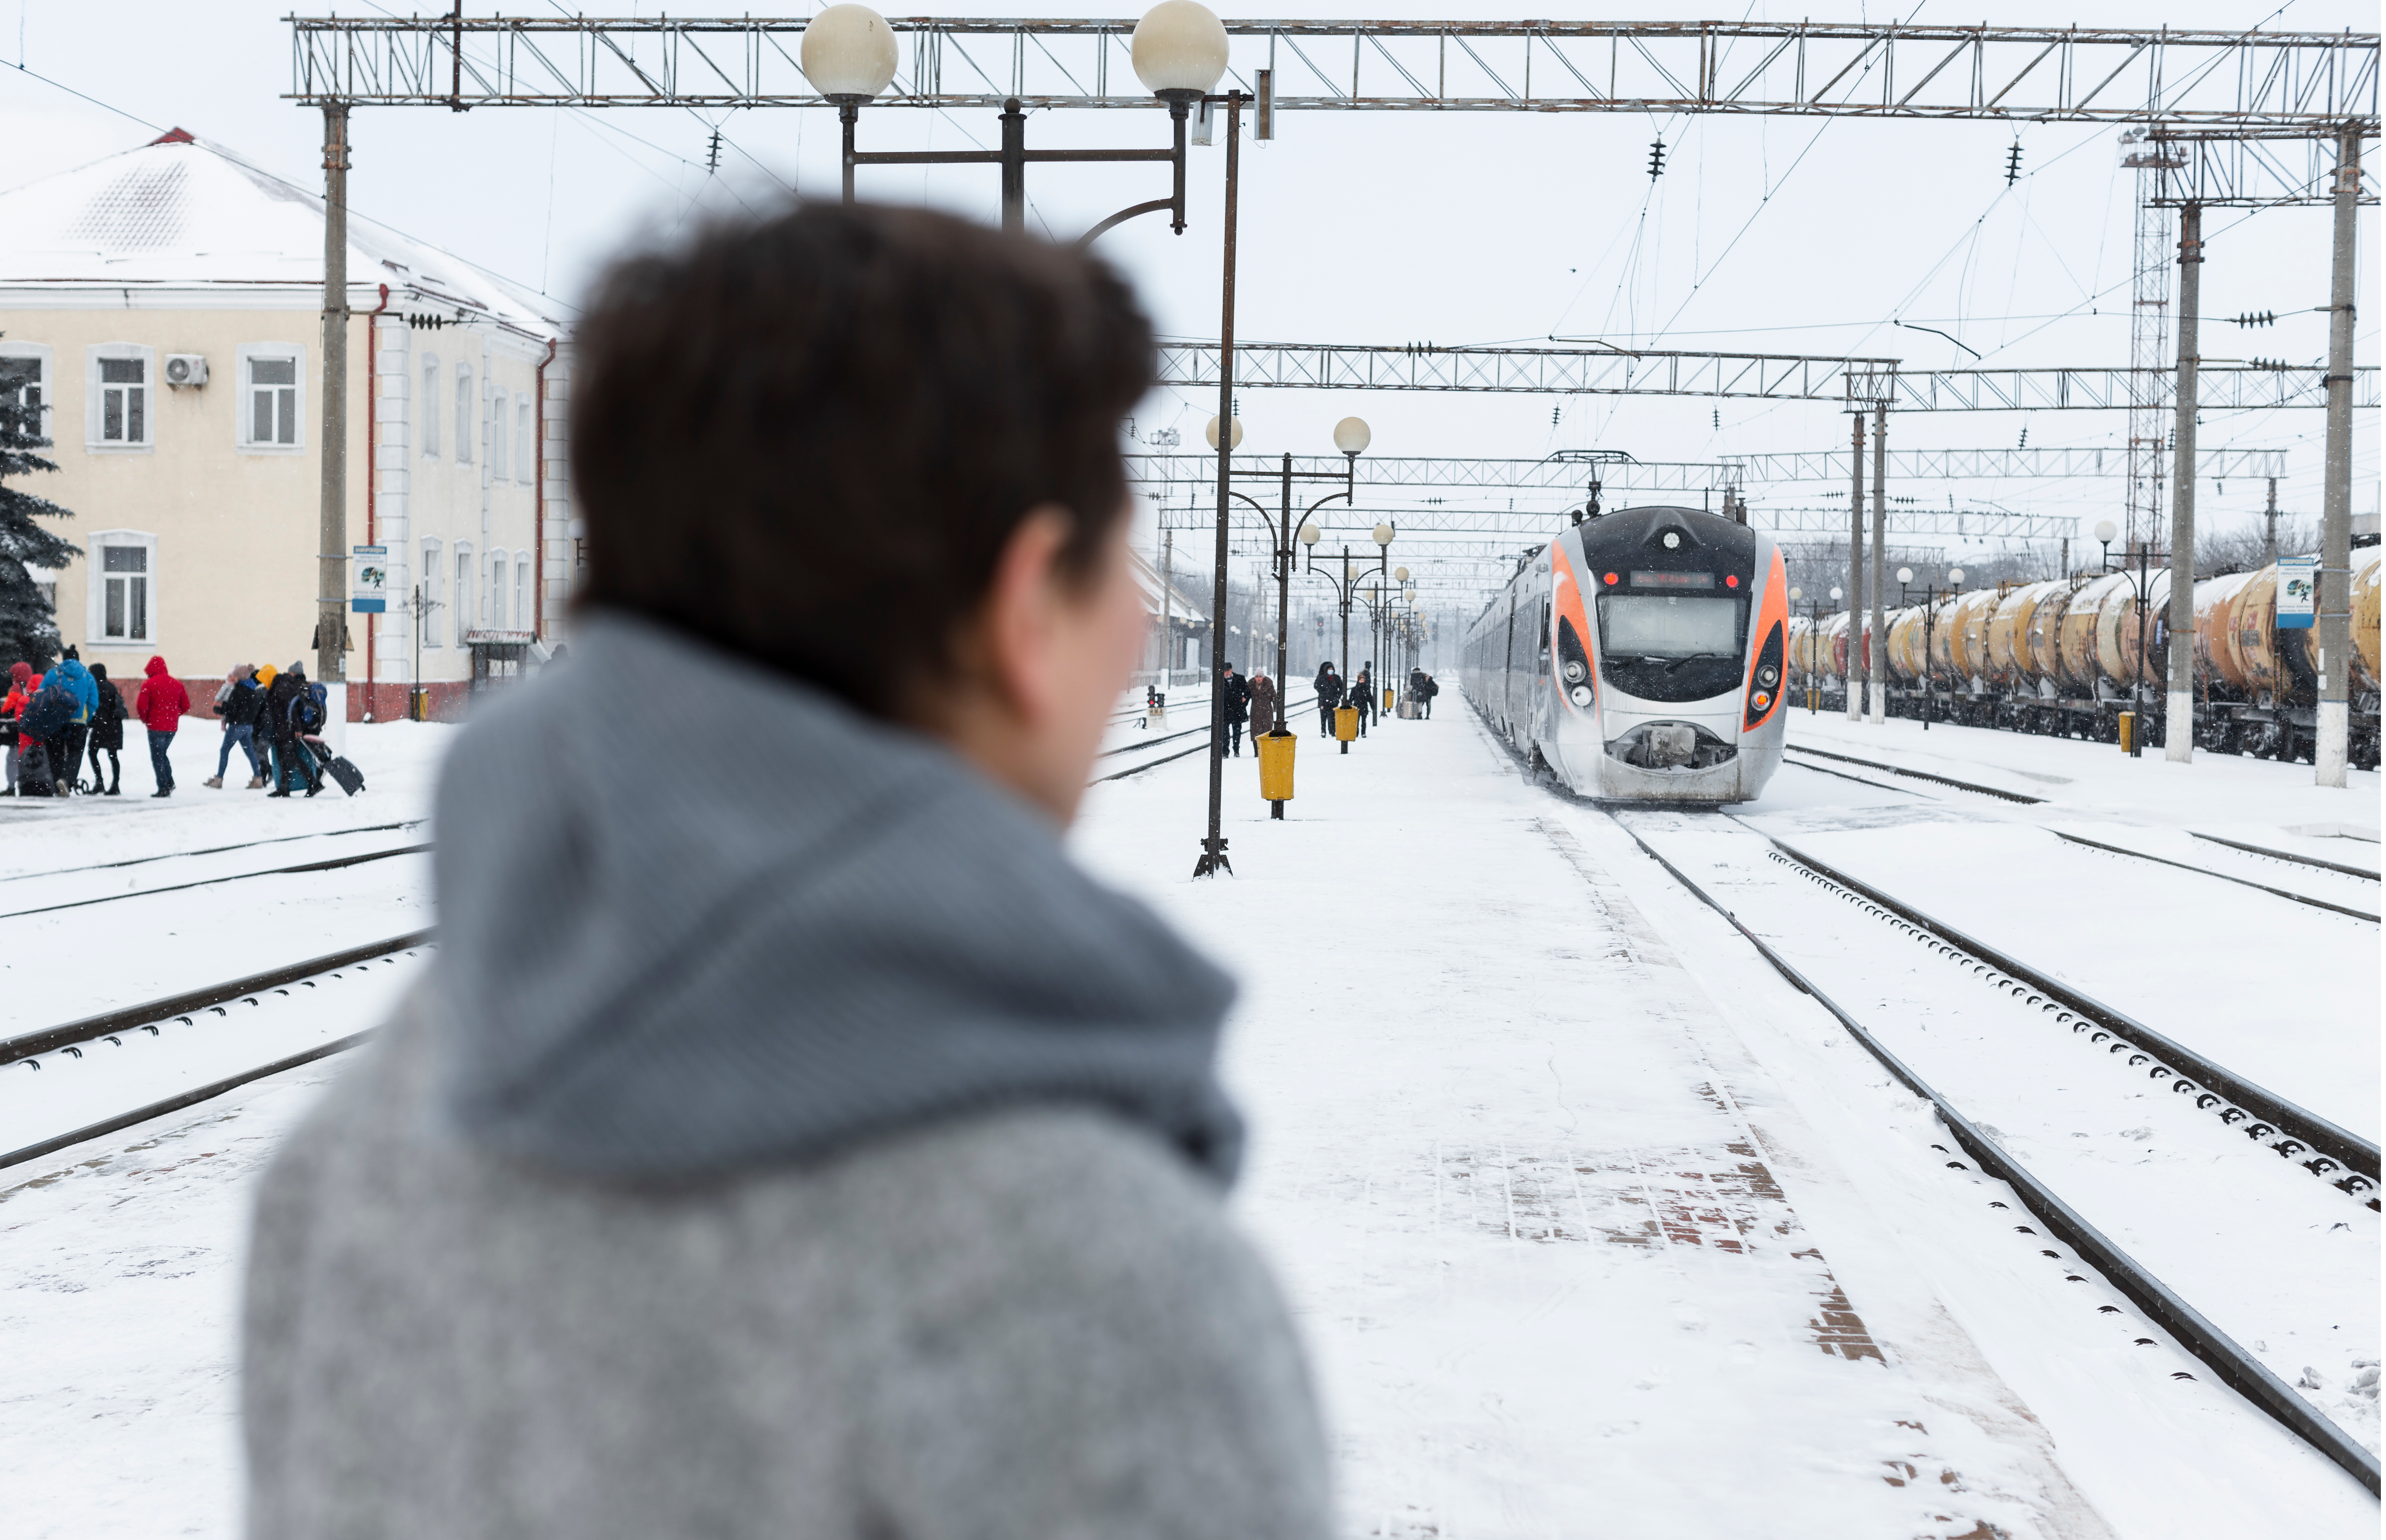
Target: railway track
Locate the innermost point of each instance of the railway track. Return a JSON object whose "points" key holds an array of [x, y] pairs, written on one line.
{"points": [[210, 850], [2307, 1139], [331, 864], [2287, 894], [124, 1028], [1201, 731]]}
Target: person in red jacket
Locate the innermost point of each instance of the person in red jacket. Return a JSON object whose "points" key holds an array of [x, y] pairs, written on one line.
{"points": [[160, 705]]}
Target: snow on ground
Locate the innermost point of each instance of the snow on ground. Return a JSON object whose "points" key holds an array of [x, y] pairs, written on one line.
{"points": [[1592, 1222]]}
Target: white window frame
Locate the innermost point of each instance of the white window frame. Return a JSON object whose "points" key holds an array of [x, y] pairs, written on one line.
{"points": [[525, 441], [523, 619], [462, 603], [429, 411], [466, 410], [244, 420], [93, 415], [94, 618], [431, 571], [493, 590], [39, 355], [500, 460]]}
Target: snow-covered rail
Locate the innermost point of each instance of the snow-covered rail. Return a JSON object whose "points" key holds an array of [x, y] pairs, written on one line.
{"points": [[63, 1108], [2194, 1331], [329, 864]]}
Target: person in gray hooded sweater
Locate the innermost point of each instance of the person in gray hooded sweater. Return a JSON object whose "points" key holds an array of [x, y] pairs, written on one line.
{"points": [[791, 1141]]}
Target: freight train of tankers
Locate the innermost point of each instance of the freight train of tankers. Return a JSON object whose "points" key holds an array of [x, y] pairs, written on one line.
{"points": [[2059, 657]]}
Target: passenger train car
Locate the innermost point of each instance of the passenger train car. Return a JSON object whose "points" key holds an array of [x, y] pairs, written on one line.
{"points": [[1640, 658]]}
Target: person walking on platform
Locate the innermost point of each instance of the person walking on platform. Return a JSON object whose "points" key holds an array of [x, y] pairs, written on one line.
{"points": [[1238, 708], [12, 707], [1363, 695], [1417, 687], [67, 757], [1263, 706], [798, 1141], [1427, 690], [160, 705], [267, 767], [239, 704], [41, 729], [1329, 695], [289, 701], [107, 734]]}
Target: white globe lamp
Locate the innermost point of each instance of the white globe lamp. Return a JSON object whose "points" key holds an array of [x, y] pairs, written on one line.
{"points": [[849, 54], [1351, 436], [1179, 50], [1234, 441]]}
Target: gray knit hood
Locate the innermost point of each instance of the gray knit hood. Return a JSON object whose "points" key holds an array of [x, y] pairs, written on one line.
{"points": [[696, 917]]}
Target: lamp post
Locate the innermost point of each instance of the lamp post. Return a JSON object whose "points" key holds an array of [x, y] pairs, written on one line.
{"points": [[1179, 52], [2138, 582], [1813, 624], [1929, 626], [1346, 585]]}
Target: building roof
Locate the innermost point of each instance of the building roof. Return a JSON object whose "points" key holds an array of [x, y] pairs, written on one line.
{"points": [[181, 214], [1146, 577]]}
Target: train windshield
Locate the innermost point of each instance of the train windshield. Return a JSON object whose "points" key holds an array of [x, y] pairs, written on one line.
{"points": [[1670, 646]]}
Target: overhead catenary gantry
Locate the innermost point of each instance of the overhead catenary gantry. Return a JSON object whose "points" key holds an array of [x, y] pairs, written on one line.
{"points": [[1730, 376], [2232, 79]]}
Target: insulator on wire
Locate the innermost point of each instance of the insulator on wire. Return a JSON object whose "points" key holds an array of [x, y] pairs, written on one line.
{"points": [[2013, 164], [1657, 159], [2257, 318]]}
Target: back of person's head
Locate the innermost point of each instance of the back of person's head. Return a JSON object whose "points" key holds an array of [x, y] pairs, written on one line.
{"points": [[807, 439]]}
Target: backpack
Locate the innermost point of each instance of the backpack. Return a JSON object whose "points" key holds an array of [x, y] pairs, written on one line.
{"points": [[49, 711], [308, 708]]}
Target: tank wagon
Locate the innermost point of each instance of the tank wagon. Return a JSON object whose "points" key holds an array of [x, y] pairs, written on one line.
{"points": [[2059, 657], [1642, 656]]}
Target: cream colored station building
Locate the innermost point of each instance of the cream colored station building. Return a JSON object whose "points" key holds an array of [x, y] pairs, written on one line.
{"points": [[166, 305]]}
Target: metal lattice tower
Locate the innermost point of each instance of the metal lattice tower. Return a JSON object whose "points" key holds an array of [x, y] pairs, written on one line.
{"points": [[2152, 384]]}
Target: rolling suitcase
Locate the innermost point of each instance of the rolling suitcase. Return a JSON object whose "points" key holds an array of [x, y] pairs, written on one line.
{"points": [[34, 777], [351, 778]]}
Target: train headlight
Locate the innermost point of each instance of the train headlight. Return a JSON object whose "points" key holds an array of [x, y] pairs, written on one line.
{"points": [[1579, 695], [1573, 672], [1768, 675]]}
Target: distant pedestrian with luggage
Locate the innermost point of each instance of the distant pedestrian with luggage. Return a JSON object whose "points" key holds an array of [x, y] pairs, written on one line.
{"points": [[107, 734], [1238, 693], [239, 703], [1263, 706], [1363, 695], [161, 706], [298, 713], [1329, 695]]}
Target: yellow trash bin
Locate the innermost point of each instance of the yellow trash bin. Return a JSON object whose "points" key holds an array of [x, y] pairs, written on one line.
{"points": [[1346, 723], [1275, 766], [1391, 701], [2129, 730]]}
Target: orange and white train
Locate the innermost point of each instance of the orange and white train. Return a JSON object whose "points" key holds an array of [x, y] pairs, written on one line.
{"points": [[1641, 657]]}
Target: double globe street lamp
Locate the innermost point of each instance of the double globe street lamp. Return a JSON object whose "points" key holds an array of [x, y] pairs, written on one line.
{"points": [[1179, 50], [1352, 437], [1346, 585], [1930, 596]]}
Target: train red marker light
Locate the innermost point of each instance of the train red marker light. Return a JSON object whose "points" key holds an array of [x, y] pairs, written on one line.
{"points": [[1731, 580], [1611, 576]]}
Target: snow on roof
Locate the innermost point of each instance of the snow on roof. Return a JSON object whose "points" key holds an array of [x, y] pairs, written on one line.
{"points": [[181, 212], [1146, 577]]}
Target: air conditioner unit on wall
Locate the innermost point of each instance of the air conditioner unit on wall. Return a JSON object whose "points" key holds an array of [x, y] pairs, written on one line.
{"points": [[186, 368]]}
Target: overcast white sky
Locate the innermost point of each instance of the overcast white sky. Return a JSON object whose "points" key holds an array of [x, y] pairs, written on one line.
{"points": [[1364, 228]]}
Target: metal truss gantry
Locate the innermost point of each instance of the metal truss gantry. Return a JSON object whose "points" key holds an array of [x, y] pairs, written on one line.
{"points": [[1990, 465], [2294, 80], [1728, 376]]}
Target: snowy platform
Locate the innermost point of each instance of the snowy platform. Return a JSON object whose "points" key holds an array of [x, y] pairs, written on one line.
{"points": [[1593, 1223]]}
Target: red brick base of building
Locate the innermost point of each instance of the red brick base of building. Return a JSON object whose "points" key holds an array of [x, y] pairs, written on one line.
{"points": [[443, 701]]}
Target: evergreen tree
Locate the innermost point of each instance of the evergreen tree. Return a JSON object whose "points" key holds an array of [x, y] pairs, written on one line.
{"points": [[28, 622]]}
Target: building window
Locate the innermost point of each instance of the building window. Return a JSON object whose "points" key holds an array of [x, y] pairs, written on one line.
{"points": [[463, 414], [430, 412], [431, 601], [497, 460], [525, 444], [274, 399], [496, 590], [463, 592], [123, 595], [25, 379], [522, 618], [119, 385]]}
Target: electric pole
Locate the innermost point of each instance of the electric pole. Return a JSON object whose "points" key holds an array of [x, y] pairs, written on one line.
{"points": [[1855, 573], [2335, 596], [332, 526], [1880, 649], [2179, 719]]}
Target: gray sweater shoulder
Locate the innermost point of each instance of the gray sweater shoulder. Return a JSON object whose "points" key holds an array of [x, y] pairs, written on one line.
{"points": [[1037, 1322]]}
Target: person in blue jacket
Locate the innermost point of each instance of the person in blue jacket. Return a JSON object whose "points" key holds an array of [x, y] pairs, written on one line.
{"points": [[85, 690]]}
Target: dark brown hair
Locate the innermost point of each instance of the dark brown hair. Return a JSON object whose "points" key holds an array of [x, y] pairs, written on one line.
{"points": [[806, 439]]}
